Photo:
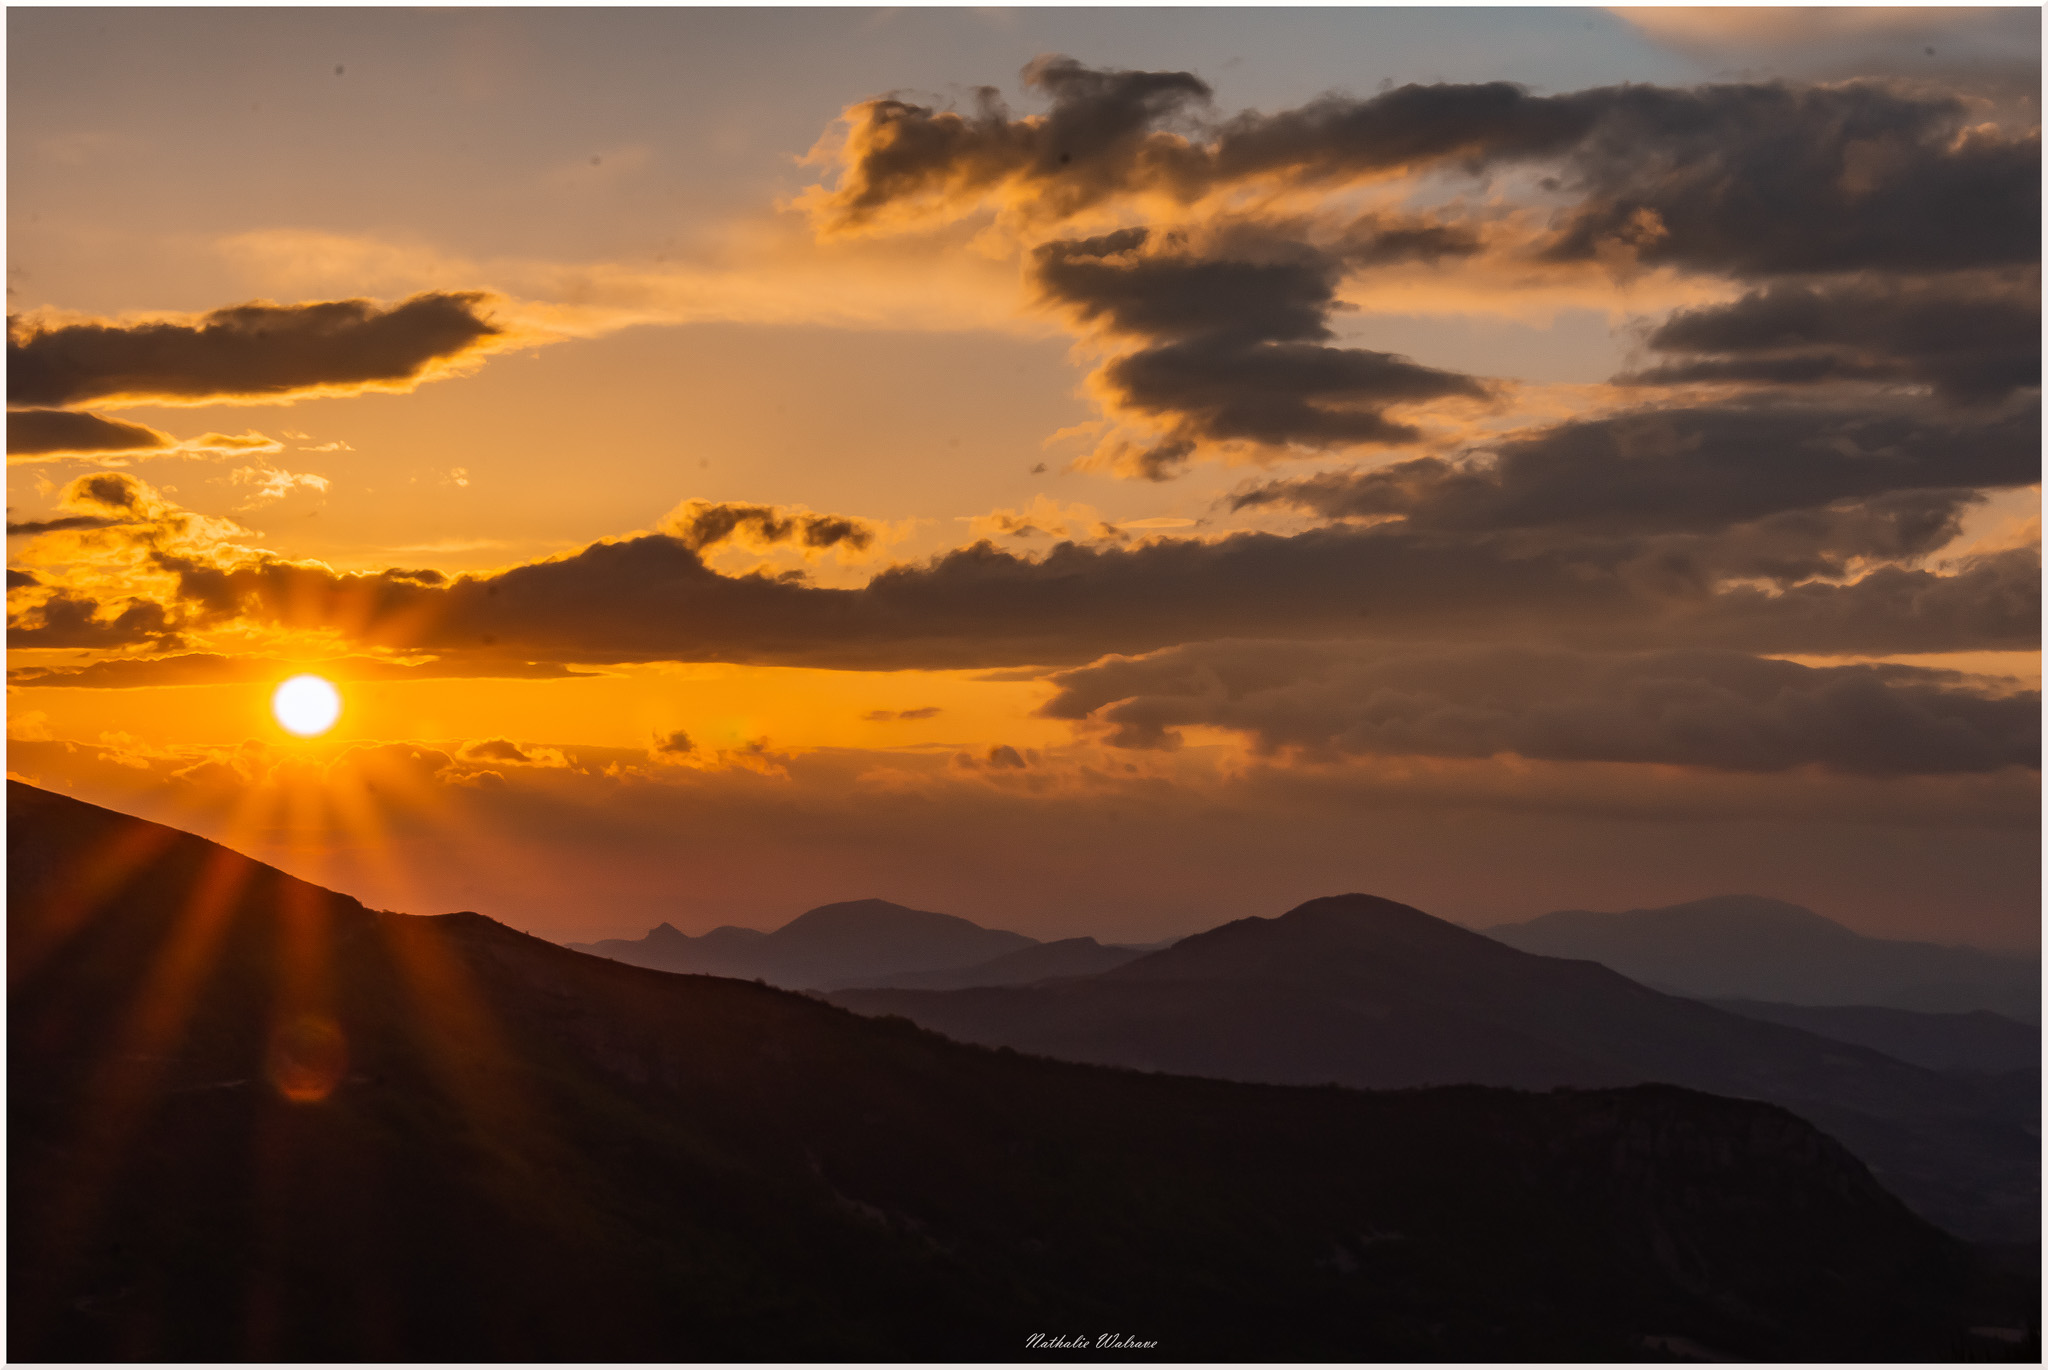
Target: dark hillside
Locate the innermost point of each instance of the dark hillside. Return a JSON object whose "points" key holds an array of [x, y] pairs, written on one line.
{"points": [[1374, 994], [251, 1119]]}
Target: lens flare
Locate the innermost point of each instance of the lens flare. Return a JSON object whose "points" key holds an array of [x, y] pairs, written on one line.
{"points": [[306, 705], [308, 1057]]}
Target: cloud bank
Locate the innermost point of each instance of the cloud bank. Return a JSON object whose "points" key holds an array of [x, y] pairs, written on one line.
{"points": [[1717, 710], [250, 353]]}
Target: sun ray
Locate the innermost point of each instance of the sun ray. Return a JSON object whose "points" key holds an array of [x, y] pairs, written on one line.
{"points": [[91, 882], [128, 1077]]}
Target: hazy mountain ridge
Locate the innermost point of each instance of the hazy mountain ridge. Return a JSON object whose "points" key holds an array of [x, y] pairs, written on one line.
{"points": [[1068, 957], [854, 942], [1977, 1041], [1374, 994], [1750, 947], [536, 1154]]}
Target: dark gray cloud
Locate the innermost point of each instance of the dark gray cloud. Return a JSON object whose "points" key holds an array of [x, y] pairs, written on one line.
{"points": [[1793, 545], [1752, 179], [652, 598], [1233, 332], [700, 524], [1689, 469], [250, 351], [1971, 340], [676, 743], [36, 432], [1274, 394], [901, 715], [118, 499], [1385, 240], [1105, 131], [495, 749], [205, 590], [1110, 133], [20, 580], [1986, 603], [1339, 137], [27, 528], [1771, 179], [1269, 289], [1755, 179], [109, 490], [67, 619], [1230, 321], [1720, 710], [210, 668]]}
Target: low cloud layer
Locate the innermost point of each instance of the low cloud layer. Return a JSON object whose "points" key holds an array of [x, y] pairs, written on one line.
{"points": [[652, 598], [247, 353], [40, 432], [1672, 469], [51, 435], [1685, 708], [213, 668]]}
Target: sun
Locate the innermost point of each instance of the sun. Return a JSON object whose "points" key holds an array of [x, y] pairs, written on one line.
{"points": [[306, 705]]}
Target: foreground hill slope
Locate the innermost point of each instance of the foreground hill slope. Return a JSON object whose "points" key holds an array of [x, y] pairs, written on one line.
{"points": [[1742, 946], [251, 1119], [1370, 993], [860, 941]]}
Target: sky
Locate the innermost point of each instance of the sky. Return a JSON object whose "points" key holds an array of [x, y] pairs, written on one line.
{"points": [[1091, 472]]}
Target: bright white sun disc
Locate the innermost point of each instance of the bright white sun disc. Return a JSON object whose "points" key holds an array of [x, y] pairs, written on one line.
{"points": [[306, 705]]}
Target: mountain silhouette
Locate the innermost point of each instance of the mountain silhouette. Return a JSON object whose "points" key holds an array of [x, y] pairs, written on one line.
{"points": [[1047, 961], [1366, 992], [1980, 1041], [852, 943], [252, 1120], [1743, 946]]}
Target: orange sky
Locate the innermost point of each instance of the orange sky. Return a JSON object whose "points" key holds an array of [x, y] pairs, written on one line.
{"points": [[1152, 499]]}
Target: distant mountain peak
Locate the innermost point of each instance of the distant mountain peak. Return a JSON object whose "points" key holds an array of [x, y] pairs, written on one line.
{"points": [[1754, 907], [1358, 905], [848, 941], [1335, 935], [1748, 946], [848, 912]]}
